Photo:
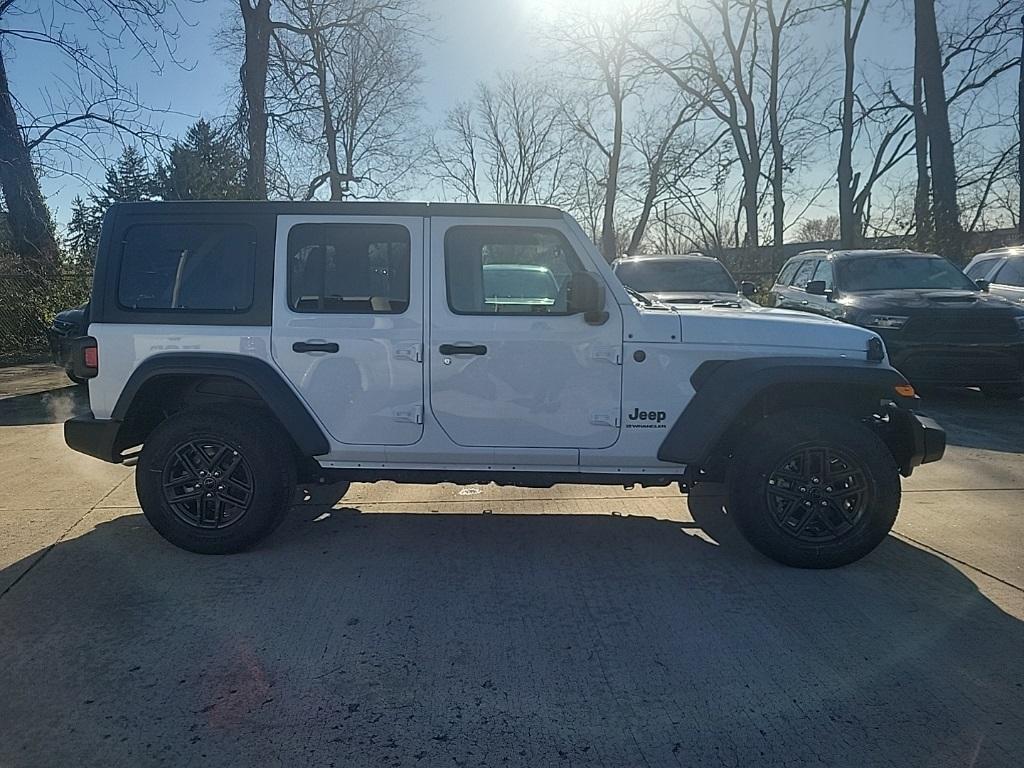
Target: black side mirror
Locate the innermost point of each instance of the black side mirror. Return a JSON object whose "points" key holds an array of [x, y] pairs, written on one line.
{"points": [[586, 296], [982, 285], [747, 288], [816, 288]]}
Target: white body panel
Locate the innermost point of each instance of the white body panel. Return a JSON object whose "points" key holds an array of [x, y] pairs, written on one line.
{"points": [[370, 392], [546, 381], [552, 393]]}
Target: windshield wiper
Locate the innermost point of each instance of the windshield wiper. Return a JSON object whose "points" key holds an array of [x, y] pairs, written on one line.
{"points": [[638, 296]]}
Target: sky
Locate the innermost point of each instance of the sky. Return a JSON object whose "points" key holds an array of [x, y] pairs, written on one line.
{"points": [[472, 40]]}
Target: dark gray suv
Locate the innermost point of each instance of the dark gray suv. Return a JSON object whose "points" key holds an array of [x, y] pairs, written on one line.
{"points": [[938, 326]]}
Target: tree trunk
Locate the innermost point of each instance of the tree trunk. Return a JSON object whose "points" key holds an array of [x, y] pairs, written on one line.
{"points": [[775, 132], [945, 209], [253, 74], [609, 246], [32, 234], [849, 223], [922, 193], [330, 130], [645, 212], [1020, 134]]}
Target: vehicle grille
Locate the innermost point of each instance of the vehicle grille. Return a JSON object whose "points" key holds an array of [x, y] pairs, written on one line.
{"points": [[960, 325]]}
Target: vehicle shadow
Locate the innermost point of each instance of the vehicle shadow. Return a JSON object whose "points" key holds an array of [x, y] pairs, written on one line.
{"points": [[406, 638], [52, 407], [975, 421]]}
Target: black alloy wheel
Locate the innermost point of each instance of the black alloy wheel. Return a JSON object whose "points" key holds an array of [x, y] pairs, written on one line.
{"points": [[817, 494], [208, 484]]}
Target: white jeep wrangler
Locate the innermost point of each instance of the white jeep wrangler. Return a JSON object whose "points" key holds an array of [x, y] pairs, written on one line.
{"points": [[249, 346]]}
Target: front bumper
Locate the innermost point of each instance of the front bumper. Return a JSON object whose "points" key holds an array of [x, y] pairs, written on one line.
{"points": [[921, 440], [957, 364], [94, 437]]}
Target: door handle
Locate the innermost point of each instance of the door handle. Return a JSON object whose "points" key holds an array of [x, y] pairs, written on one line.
{"points": [[462, 349], [315, 346]]}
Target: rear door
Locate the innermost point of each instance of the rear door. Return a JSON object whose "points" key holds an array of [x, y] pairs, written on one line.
{"points": [[348, 323], [509, 365]]}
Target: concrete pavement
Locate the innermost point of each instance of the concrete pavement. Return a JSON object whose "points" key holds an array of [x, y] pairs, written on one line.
{"points": [[416, 625]]}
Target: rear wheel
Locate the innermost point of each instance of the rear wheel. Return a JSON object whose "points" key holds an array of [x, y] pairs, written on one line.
{"points": [[215, 482], [1003, 391], [812, 489]]}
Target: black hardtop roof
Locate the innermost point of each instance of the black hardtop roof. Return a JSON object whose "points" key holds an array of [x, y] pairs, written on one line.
{"points": [[353, 208]]}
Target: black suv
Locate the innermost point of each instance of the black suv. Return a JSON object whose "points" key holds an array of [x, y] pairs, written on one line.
{"points": [[938, 326]]}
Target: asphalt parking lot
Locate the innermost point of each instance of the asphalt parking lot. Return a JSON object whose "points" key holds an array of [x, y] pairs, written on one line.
{"points": [[422, 626]]}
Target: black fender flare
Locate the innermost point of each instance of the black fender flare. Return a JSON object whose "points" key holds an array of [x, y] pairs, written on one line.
{"points": [[724, 389], [259, 375]]}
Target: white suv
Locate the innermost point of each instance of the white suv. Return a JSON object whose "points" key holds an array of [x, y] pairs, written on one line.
{"points": [[248, 346]]}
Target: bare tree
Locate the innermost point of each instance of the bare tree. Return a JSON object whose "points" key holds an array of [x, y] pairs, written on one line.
{"points": [[347, 88], [603, 52], [91, 101], [262, 31], [507, 145], [849, 224], [819, 230]]}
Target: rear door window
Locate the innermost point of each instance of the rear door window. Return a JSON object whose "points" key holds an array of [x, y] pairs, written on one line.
{"points": [[1012, 273], [348, 268], [188, 267]]}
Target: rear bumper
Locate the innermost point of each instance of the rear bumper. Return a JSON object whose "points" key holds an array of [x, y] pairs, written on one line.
{"points": [[957, 364], [94, 437]]}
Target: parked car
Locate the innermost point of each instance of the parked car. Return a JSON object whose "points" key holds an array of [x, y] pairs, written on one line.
{"points": [[246, 345], [67, 326], [690, 278], [939, 327], [1001, 270], [517, 285]]}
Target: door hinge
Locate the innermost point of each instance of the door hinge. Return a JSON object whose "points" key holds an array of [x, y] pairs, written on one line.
{"points": [[611, 354], [606, 419], [413, 415], [412, 352]]}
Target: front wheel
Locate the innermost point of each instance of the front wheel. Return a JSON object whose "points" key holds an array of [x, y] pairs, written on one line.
{"points": [[215, 481], [813, 489]]}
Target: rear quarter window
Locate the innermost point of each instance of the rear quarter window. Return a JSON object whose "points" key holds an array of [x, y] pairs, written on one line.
{"points": [[183, 266]]}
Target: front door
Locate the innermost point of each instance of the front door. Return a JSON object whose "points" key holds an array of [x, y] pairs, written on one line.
{"points": [[348, 323], [509, 365]]}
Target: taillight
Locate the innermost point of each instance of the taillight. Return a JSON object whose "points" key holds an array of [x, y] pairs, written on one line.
{"points": [[86, 360]]}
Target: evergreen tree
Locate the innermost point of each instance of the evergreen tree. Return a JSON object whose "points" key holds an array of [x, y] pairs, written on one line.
{"points": [[127, 181], [206, 165]]}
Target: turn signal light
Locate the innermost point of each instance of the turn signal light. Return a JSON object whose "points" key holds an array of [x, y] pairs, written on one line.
{"points": [[905, 390]]}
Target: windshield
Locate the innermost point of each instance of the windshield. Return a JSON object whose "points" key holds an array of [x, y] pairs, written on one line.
{"points": [[658, 276], [881, 273]]}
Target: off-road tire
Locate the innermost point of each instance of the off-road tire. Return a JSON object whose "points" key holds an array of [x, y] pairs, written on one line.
{"points": [[190, 446], [800, 524]]}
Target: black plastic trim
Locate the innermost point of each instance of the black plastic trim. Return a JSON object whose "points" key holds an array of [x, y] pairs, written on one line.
{"points": [[93, 437], [260, 376], [725, 388]]}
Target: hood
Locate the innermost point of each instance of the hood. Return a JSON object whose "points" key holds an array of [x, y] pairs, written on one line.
{"points": [[763, 327], [693, 297], [918, 299]]}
